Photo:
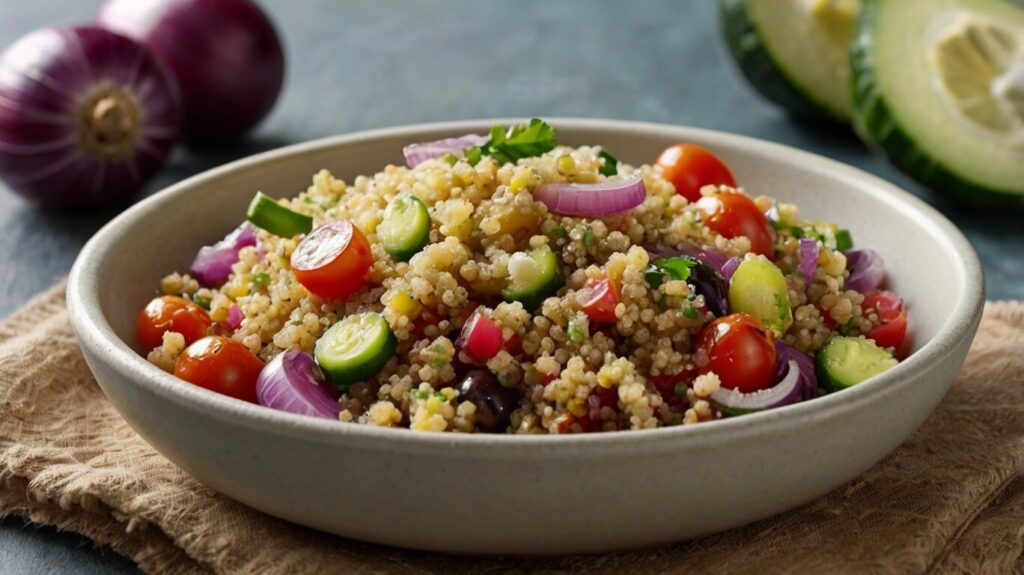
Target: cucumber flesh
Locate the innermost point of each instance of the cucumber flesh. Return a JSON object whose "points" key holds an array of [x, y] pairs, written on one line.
{"points": [[535, 277], [405, 228], [355, 348], [794, 52], [939, 86], [846, 361]]}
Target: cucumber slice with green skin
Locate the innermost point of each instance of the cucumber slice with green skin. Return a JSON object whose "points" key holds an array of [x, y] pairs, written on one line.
{"points": [[846, 361], [534, 277], [355, 348], [264, 212], [938, 85], [405, 228], [794, 52]]}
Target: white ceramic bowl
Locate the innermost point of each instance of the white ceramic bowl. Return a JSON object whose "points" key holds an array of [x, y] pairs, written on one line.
{"points": [[539, 494]]}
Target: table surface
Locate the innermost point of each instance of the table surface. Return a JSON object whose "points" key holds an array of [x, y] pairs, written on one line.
{"points": [[367, 64]]}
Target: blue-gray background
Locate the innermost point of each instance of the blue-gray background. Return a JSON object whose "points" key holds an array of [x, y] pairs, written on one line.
{"points": [[372, 63]]}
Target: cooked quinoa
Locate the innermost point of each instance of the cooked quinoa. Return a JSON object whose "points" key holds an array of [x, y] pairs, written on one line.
{"points": [[571, 374]]}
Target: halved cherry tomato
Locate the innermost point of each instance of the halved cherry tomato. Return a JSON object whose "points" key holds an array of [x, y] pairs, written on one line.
{"points": [[333, 260], [599, 300], [741, 351], [220, 364], [690, 167], [893, 317], [171, 313], [734, 214]]}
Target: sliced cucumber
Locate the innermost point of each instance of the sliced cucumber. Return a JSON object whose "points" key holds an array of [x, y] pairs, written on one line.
{"points": [[846, 361], [266, 213], [405, 228], [939, 86], [535, 277], [355, 348], [758, 288], [794, 52]]}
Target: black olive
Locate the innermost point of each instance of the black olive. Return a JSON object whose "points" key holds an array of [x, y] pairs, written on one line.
{"points": [[707, 282], [494, 402]]}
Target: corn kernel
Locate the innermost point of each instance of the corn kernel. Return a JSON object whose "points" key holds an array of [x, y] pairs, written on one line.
{"points": [[404, 304], [566, 164], [238, 290]]}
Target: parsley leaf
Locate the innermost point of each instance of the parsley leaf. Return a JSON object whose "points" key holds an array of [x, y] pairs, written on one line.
{"points": [[522, 141], [609, 165], [844, 241]]}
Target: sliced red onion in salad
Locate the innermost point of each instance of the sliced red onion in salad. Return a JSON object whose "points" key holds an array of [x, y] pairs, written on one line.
{"points": [[416, 154], [293, 382], [786, 353], [729, 267], [867, 270], [212, 264], [593, 200], [808, 258], [235, 316]]}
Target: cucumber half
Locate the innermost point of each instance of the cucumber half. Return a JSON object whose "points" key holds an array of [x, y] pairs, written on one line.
{"points": [[355, 348], [405, 228], [938, 85], [794, 52], [846, 361], [534, 277]]}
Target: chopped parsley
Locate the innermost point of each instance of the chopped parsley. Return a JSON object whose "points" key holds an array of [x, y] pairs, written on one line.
{"points": [[609, 165], [588, 235], [690, 311], [844, 241], [522, 141], [560, 232], [419, 394], [450, 158], [575, 332], [681, 389], [677, 268], [440, 396], [260, 279], [202, 302]]}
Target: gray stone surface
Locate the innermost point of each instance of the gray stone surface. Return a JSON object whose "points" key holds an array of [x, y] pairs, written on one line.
{"points": [[366, 64]]}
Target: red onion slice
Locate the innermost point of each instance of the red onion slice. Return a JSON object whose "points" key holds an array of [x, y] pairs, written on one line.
{"points": [[593, 200], [788, 391], [729, 267], [808, 258], [867, 270], [212, 264], [416, 154], [786, 353], [235, 316], [293, 382]]}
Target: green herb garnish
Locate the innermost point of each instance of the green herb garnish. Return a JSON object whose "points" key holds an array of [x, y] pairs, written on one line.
{"points": [[260, 279], [450, 158], [609, 165], [681, 389], [560, 231], [588, 235], [576, 333], [844, 241], [690, 311], [202, 302], [440, 396], [522, 141]]}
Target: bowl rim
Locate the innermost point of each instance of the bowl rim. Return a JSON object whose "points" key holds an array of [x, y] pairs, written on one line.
{"points": [[96, 335]]}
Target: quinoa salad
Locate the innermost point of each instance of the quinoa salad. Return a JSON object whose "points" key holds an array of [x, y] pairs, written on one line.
{"points": [[505, 283]]}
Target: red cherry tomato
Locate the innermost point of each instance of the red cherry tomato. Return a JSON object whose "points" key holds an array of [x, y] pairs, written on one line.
{"points": [[171, 313], [333, 261], [733, 214], [220, 364], [892, 315], [599, 300], [741, 351], [690, 167]]}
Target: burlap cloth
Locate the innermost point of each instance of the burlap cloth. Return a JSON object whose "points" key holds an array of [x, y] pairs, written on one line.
{"points": [[949, 500]]}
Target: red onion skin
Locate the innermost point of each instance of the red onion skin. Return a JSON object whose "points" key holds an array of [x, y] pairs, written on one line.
{"points": [[226, 56], [808, 258], [292, 382], [867, 270], [49, 80], [415, 154], [786, 353], [212, 264], [593, 200]]}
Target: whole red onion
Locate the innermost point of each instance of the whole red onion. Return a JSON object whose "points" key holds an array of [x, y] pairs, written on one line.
{"points": [[86, 116], [225, 54]]}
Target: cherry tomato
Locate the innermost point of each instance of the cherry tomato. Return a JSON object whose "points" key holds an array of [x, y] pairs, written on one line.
{"points": [[741, 351], [171, 313], [734, 214], [892, 315], [333, 261], [220, 364], [600, 300], [690, 167]]}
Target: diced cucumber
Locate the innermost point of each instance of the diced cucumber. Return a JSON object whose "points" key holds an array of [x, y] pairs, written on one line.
{"points": [[847, 361], [264, 212], [938, 85], [405, 228], [794, 52], [758, 288], [534, 277], [355, 348]]}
